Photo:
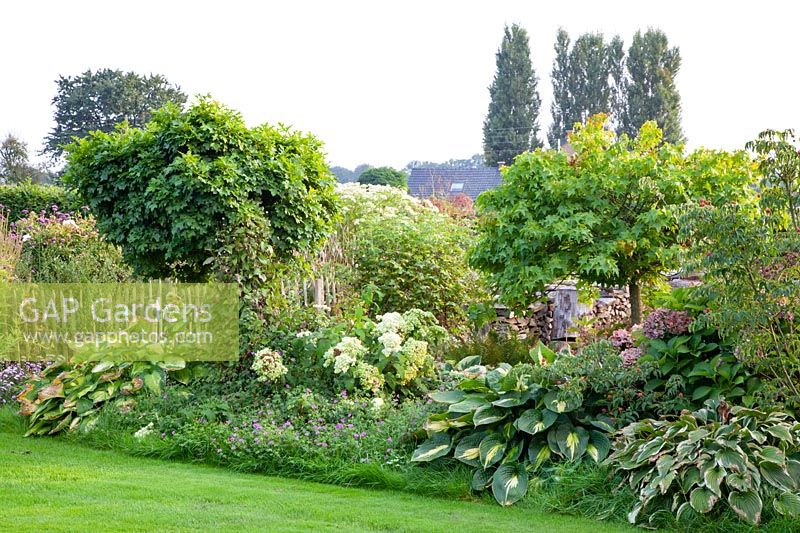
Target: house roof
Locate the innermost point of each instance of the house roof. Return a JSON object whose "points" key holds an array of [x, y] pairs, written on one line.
{"points": [[425, 182]]}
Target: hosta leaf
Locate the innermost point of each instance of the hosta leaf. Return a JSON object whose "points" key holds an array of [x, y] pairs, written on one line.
{"points": [[776, 476], [152, 381], [469, 404], [793, 469], [102, 367], [491, 450], [787, 504], [562, 402], [467, 450], [713, 478], [730, 459], [489, 414], [599, 445], [472, 360], [572, 441], [772, 455], [437, 446], [512, 399], [461, 422], [55, 390], [602, 424], [538, 454], [747, 505], [481, 479], [742, 482], [780, 431], [510, 483], [534, 421], [448, 397], [436, 423], [473, 385], [702, 500], [690, 477]]}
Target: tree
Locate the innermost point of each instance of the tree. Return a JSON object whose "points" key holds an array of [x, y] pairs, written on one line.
{"points": [[343, 175], [650, 88], [586, 80], [476, 161], [198, 192], [606, 215], [512, 123], [98, 101], [384, 176], [14, 163]]}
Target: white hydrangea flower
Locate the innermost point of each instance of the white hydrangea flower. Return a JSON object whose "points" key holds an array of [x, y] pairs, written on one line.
{"points": [[390, 323], [342, 363], [145, 431], [391, 341]]}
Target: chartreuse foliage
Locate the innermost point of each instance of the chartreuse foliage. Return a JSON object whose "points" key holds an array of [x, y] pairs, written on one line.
{"points": [[65, 397], [744, 458], [607, 214], [508, 422], [169, 193]]}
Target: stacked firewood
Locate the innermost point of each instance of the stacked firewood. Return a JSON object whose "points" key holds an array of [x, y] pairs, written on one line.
{"points": [[537, 322], [611, 309]]}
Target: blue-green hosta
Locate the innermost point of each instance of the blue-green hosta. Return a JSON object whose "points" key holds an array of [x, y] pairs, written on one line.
{"points": [[507, 422], [65, 397], [739, 457]]}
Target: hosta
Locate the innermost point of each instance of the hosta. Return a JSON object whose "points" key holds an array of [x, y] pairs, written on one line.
{"points": [[734, 456], [65, 397], [509, 421]]}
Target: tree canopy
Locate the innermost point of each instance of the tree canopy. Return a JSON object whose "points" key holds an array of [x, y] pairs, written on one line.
{"points": [[98, 101], [384, 176], [512, 123], [606, 215], [194, 182]]}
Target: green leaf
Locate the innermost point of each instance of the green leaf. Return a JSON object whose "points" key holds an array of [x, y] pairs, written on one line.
{"points": [[776, 476], [510, 483], [572, 441], [152, 381], [700, 392], [468, 450], [489, 414], [448, 397], [730, 459], [713, 478], [512, 399], [787, 504], [102, 367], [780, 431], [472, 403], [472, 360], [481, 479], [538, 454], [599, 445], [437, 446], [490, 450], [540, 353], [562, 402], [534, 421], [702, 500], [747, 505], [772, 455]]}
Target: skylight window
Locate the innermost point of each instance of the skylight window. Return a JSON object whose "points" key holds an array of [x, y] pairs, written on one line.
{"points": [[457, 187]]}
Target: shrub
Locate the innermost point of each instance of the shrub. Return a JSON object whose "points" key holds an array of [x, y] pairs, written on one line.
{"points": [[10, 251], [414, 256], [508, 420], [390, 354], [60, 247], [21, 200], [384, 176], [64, 397], [493, 348], [734, 455], [169, 193]]}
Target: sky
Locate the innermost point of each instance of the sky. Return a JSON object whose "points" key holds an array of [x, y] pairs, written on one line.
{"points": [[385, 83]]}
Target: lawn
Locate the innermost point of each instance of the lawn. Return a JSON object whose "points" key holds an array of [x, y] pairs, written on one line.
{"points": [[51, 485]]}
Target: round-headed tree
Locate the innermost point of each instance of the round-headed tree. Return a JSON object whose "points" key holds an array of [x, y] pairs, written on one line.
{"points": [[194, 185], [384, 176], [608, 214]]}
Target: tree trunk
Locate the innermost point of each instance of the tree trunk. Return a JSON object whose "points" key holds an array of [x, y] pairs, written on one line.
{"points": [[635, 292]]}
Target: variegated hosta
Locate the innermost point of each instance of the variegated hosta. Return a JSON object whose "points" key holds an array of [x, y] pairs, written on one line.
{"points": [[509, 421], [65, 397], [741, 457]]}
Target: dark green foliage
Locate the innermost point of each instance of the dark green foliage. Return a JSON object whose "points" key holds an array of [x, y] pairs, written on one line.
{"points": [[493, 348], [511, 420], [169, 194], [98, 101], [512, 123], [586, 80], [384, 176], [650, 89], [743, 458], [35, 198]]}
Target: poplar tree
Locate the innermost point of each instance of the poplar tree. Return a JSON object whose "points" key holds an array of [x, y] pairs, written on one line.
{"points": [[512, 123]]}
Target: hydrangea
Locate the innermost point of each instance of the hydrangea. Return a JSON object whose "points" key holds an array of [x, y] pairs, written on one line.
{"points": [[666, 321], [268, 364], [414, 361], [345, 354], [621, 338], [630, 356], [390, 323], [342, 363], [392, 342], [369, 377], [145, 431]]}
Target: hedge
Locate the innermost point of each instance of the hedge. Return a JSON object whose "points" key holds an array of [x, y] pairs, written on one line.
{"points": [[34, 197]]}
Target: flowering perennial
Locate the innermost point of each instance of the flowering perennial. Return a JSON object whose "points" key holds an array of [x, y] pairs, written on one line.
{"points": [[268, 364]]}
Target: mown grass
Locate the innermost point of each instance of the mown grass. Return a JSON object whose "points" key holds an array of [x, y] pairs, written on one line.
{"points": [[48, 484]]}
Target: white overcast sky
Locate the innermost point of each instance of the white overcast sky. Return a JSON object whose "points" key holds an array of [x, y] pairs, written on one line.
{"points": [[385, 83]]}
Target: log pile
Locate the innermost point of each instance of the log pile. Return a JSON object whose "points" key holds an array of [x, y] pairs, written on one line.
{"points": [[611, 309]]}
